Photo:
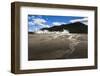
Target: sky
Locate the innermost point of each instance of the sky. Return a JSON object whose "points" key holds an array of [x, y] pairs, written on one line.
{"points": [[37, 22]]}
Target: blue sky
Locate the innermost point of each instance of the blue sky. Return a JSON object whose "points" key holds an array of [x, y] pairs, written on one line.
{"points": [[36, 22]]}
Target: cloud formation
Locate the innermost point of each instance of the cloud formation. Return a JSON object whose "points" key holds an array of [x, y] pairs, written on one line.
{"points": [[83, 20], [40, 22], [31, 23], [58, 23]]}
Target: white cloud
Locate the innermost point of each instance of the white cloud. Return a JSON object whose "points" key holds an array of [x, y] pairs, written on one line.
{"points": [[40, 22], [45, 25], [83, 20], [31, 23], [58, 23], [31, 17]]}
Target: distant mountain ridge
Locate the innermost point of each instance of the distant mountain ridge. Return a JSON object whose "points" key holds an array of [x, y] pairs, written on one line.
{"points": [[76, 27]]}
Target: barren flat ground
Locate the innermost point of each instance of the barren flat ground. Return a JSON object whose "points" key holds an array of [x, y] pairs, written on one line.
{"points": [[57, 46]]}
